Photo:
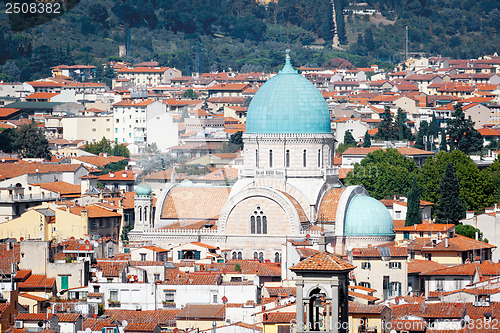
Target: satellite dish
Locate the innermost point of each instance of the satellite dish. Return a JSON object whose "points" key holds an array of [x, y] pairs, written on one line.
{"points": [[58, 294], [466, 318], [88, 330], [40, 324], [124, 323], [394, 331]]}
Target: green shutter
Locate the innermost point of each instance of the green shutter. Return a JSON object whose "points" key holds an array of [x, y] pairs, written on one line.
{"points": [[197, 255], [115, 330], [103, 330], [64, 282]]}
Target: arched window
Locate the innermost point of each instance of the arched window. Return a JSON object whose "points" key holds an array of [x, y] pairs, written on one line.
{"points": [[261, 257], [319, 158], [277, 257], [287, 159], [256, 158], [140, 213], [240, 255], [258, 222], [234, 256], [304, 158], [255, 255], [145, 214], [271, 158]]}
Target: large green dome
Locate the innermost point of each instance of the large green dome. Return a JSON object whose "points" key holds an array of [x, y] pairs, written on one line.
{"points": [[288, 103], [367, 216]]}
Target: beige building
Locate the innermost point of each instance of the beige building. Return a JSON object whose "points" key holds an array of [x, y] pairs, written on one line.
{"points": [[91, 129], [382, 268], [149, 75]]}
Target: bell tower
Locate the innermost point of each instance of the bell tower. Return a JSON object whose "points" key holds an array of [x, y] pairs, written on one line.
{"points": [[322, 293], [143, 206]]}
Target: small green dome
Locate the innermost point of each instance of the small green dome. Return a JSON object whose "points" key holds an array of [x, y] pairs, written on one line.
{"points": [[367, 216], [288, 103], [143, 189]]}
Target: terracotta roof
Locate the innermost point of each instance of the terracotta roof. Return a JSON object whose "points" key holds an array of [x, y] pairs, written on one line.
{"points": [[421, 266], [162, 317], [11, 170], [323, 261], [363, 308], [298, 207], [328, 206], [63, 188], [458, 243], [68, 317], [36, 281], [94, 211], [33, 297], [201, 203], [279, 317], [364, 296], [249, 267], [41, 95], [97, 324], [202, 311], [486, 131], [143, 69], [6, 112], [393, 251], [485, 268], [427, 227], [98, 161], [140, 327], [95, 295], [34, 316], [111, 268], [122, 175], [281, 291]]}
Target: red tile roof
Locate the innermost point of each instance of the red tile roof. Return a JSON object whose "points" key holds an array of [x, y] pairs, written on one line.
{"points": [[421, 266], [202, 311], [140, 327], [323, 261], [279, 317], [36, 281], [329, 203], [162, 317]]}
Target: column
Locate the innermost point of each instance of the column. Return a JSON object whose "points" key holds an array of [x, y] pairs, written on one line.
{"points": [[335, 307], [300, 306]]}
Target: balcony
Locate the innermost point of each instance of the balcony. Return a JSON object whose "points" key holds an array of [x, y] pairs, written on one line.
{"points": [[15, 198]]}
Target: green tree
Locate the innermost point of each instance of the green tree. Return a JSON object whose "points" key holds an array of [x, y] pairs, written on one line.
{"points": [[422, 132], [414, 213], [367, 142], [190, 94], [443, 146], [7, 139], [462, 134], [468, 231], [96, 148], [349, 139], [386, 130], [449, 208], [402, 125], [384, 173], [152, 149], [121, 150], [237, 139], [434, 126], [31, 142]]}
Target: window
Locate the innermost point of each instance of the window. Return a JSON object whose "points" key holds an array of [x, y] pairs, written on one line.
{"points": [[287, 159], [365, 284], [258, 222], [304, 158], [458, 284], [398, 215], [366, 265], [240, 255], [64, 282], [439, 284], [255, 255], [256, 158], [214, 297], [395, 265], [270, 158], [277, 257], [169, 296], [156, 277], [261, 257], [395, 289], [113, 295], [234, 255], [319, 158], [428, 256], [143, 256]]}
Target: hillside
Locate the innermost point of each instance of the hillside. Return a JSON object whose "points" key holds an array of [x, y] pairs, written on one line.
{"points": [[246, 35]]}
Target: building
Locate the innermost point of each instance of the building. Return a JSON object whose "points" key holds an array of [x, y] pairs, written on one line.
{"points": [[287, 186], [148, 75]]}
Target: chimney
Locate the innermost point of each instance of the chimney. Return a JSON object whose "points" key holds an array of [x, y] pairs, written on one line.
{"points": [[446, 243], [469, 214], [322, 242]]}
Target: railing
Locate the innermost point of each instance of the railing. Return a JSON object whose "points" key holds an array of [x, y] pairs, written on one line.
{"points": [[262, 173], [28, 197]]}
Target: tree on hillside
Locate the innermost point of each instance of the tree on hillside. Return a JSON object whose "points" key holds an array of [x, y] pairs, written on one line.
{"points": [[386, 130], [190, 94], [96, 148], [468, 231], [367, 142], [462, 134], [434, 126], [414, 213], [404, 131], [237, 139], [449, 208], [384, 173], [7, 137], [422, 132], [443, 145], [120, 150], [30, 142], [349, 139]]}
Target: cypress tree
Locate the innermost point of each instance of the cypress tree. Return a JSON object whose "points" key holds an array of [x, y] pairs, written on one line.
{"points": [[367, 142], [349, 139], [443, 146], [449, 208], [414, 214]]}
